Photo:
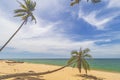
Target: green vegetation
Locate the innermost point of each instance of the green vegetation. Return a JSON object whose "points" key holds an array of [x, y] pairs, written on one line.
{"points": [[78, 1], [79, 59]]}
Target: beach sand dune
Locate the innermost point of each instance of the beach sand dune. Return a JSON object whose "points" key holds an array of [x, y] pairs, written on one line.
{"points": [[68, 73]]}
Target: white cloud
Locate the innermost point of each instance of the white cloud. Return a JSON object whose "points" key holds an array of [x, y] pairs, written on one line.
{"points": [[46, 36], [49, 45], [106, 51], [98, 22], [43, 37], [114, 3], [7, 27], [94, 18]]}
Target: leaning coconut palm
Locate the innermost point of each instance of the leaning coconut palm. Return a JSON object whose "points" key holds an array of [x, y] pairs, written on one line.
{"points": [[78, 1], [79, 59], [33, 74], [25, 12]]}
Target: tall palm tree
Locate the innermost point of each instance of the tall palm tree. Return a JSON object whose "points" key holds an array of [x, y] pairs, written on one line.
{"points": [[25, 12], [78, 1], [79, 59]]}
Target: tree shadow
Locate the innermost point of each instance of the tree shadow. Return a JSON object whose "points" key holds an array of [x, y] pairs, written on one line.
{"points": [[90, 77], [27, 78]]}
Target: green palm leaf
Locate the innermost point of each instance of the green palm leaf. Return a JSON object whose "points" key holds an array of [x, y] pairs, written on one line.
{"points": [[75, 2], [86, 50], [22, 5], [73, 58], [95, 1], [20, 11], [87, 56], [26, 10], [74, 53], [33, 18], [74, 65], [18, 15], [78, 1], [78, 59], [85, 65]]}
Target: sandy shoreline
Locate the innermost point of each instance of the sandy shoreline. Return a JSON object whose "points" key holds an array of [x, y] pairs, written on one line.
{"points": [[64, 74]]}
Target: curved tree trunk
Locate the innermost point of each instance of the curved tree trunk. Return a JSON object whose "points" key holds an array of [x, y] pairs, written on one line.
{"points": [[31, 74], [12, 36]]}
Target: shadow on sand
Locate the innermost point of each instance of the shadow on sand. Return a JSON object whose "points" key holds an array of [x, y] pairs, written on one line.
{"points": [[27, 78], [90, 77]]}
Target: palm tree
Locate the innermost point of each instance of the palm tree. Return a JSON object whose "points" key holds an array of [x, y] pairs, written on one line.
{"points": [[78, 1], [25, 12], [79, 59]]}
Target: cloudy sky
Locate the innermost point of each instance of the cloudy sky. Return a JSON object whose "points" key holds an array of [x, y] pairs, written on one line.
{"points": [[61, 28]]}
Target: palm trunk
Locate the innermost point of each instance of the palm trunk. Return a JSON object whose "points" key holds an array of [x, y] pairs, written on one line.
{"points": [[86, 72], [12, 35], [31, 74], [79, 64], [79, 67]]}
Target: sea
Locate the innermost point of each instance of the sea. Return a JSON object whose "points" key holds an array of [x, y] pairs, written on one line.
{"points": [[111, 65]]}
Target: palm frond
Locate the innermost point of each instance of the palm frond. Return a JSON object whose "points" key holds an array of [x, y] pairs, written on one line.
{"points": [[86, 50], [85, 64], [22, 5], [80, 57], [25, 18], [73, 58], [20, 11], [75, 2], [74, 65], [87, 56], [33, 18], [74, 53], [18, 15], [26, 10], [95, 1], [32, 5], [78, 1], [27, 2]]}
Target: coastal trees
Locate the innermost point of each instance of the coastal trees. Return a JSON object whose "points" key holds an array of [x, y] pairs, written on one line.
{"points": [[79, 59], [78, 1], [25, 12]]}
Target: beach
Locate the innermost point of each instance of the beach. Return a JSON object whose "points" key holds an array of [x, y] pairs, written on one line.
{"points": [[67, 73]]}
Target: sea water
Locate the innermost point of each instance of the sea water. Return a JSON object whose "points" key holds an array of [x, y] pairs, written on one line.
{"points": [[98, 64]]}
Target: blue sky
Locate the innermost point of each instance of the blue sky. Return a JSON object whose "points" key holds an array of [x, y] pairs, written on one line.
{"points": [[61, 28]]}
